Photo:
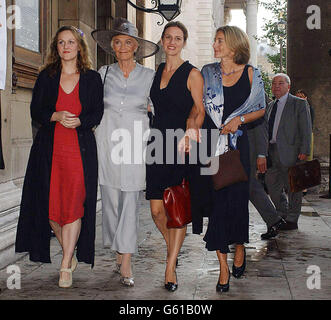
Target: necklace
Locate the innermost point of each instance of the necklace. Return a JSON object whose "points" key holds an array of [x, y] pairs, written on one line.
{"points": [[233, 71]]}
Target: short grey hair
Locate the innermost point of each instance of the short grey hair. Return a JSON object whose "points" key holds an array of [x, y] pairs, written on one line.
{"points": [[284, 75]]}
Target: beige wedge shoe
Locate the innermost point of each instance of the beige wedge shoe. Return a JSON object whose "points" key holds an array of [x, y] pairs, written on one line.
{"points": [[74, 263], [66, 283]]}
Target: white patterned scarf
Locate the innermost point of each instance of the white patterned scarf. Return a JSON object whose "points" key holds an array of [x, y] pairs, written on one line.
{"points": [[214, 102]]}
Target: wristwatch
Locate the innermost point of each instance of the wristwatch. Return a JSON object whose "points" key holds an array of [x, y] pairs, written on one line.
{"points": [[242, 119]]}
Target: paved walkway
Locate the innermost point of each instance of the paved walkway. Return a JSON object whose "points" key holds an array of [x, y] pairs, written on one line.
{"points": [[276, 269]]}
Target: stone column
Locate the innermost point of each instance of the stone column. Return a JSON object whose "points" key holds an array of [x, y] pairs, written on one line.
{"points": [[251, 28], [218, 13], [221, 13], [309, 62]]}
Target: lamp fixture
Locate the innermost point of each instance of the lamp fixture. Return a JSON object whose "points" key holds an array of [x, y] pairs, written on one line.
{"points": [[167, 9]]}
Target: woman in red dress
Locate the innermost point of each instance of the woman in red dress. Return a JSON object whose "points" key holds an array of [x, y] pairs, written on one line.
{"points": [[67, 190], [62, 171]]}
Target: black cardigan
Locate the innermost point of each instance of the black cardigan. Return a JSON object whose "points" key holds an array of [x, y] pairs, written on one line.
{"points": [[33, 230]]}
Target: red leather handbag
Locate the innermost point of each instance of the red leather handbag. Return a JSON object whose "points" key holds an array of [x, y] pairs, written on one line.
{"points": [[177, 202]]}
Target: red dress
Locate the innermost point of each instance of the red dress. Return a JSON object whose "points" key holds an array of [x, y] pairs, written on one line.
{"points": [[67, 189]]}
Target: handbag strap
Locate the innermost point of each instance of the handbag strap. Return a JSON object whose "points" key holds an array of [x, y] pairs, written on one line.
{"points": [[104, 79], [226, 149], [227, 143]]}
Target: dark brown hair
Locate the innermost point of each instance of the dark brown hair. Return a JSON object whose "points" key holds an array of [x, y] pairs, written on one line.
{"points": [[177, 24], [53, 61], [303, 92]]}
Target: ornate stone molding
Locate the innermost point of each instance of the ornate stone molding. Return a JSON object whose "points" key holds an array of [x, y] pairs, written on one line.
{"points": [[24, 75]]}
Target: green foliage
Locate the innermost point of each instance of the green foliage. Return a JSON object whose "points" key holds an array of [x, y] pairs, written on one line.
{"points": [[267, 83], [274, 59], [275, 35]]}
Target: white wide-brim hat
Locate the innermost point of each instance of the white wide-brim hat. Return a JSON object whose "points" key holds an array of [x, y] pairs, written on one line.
{"points": [[124, 27]]}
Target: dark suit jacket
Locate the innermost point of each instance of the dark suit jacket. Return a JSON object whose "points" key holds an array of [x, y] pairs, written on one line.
{"points": [[294, 131], [33, 230], [258, 141]]}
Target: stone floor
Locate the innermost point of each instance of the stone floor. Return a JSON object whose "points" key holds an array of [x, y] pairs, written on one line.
{"points": [[276, 269]]}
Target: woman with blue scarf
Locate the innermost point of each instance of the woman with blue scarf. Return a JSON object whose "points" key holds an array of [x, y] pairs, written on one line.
{"points": [[233, 96]]}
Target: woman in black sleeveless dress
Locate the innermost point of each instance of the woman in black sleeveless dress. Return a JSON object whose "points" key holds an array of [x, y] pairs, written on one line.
{"points": [[176, 94], [229, 219]]}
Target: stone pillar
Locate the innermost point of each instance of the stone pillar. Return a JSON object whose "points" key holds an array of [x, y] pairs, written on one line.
{"points": [[227, 15], [218, 13], [309, 62], [251, 28]]}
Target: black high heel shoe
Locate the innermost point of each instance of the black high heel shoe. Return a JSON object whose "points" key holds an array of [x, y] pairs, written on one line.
{"points": [[237, 272], [170, 286], [223, 287]]}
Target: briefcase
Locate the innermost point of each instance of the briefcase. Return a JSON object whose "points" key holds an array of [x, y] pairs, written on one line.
{"points": [[304, 175]]}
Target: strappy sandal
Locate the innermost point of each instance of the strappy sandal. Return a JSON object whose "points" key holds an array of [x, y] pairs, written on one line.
{"points": [[127, 281], [118, 268]]}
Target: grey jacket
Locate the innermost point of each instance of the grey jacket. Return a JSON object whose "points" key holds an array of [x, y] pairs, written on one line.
{"points": [[294, 131], [120, 135], [257, 132]]}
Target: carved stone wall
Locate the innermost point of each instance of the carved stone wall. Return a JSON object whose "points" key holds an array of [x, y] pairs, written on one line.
{"points": [[309, 64]]}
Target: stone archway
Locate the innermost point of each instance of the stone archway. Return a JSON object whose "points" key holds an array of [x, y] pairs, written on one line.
{"points": [[160, 56]]}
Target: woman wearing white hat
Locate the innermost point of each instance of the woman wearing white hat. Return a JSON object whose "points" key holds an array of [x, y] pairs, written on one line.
{"points": [[126, 98]]}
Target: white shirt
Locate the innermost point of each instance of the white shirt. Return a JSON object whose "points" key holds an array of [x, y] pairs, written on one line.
{"points": [[3, 44], [280, 107]]}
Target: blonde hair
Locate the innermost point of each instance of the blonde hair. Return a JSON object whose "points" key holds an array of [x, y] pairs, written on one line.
{"points": [[237, 40], [53, 61]]}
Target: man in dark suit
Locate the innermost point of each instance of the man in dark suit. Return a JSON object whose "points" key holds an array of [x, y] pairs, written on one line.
{"points": [[258, 147], [289, 130]]}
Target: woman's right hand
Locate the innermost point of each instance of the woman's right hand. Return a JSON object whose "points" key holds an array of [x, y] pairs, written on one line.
{"points": [[62, 116]]}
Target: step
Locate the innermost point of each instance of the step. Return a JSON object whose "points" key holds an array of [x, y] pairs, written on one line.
{"points": [[8, 222], [8, 216], [10, 196], [8, 236]]}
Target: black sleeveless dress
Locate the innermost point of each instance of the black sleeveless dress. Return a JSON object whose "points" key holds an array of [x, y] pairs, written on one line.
{"points": [[172, 106], [229, 219]]}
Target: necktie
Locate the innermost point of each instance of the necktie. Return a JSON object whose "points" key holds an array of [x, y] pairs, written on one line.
{"points": [[272, 119]]}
